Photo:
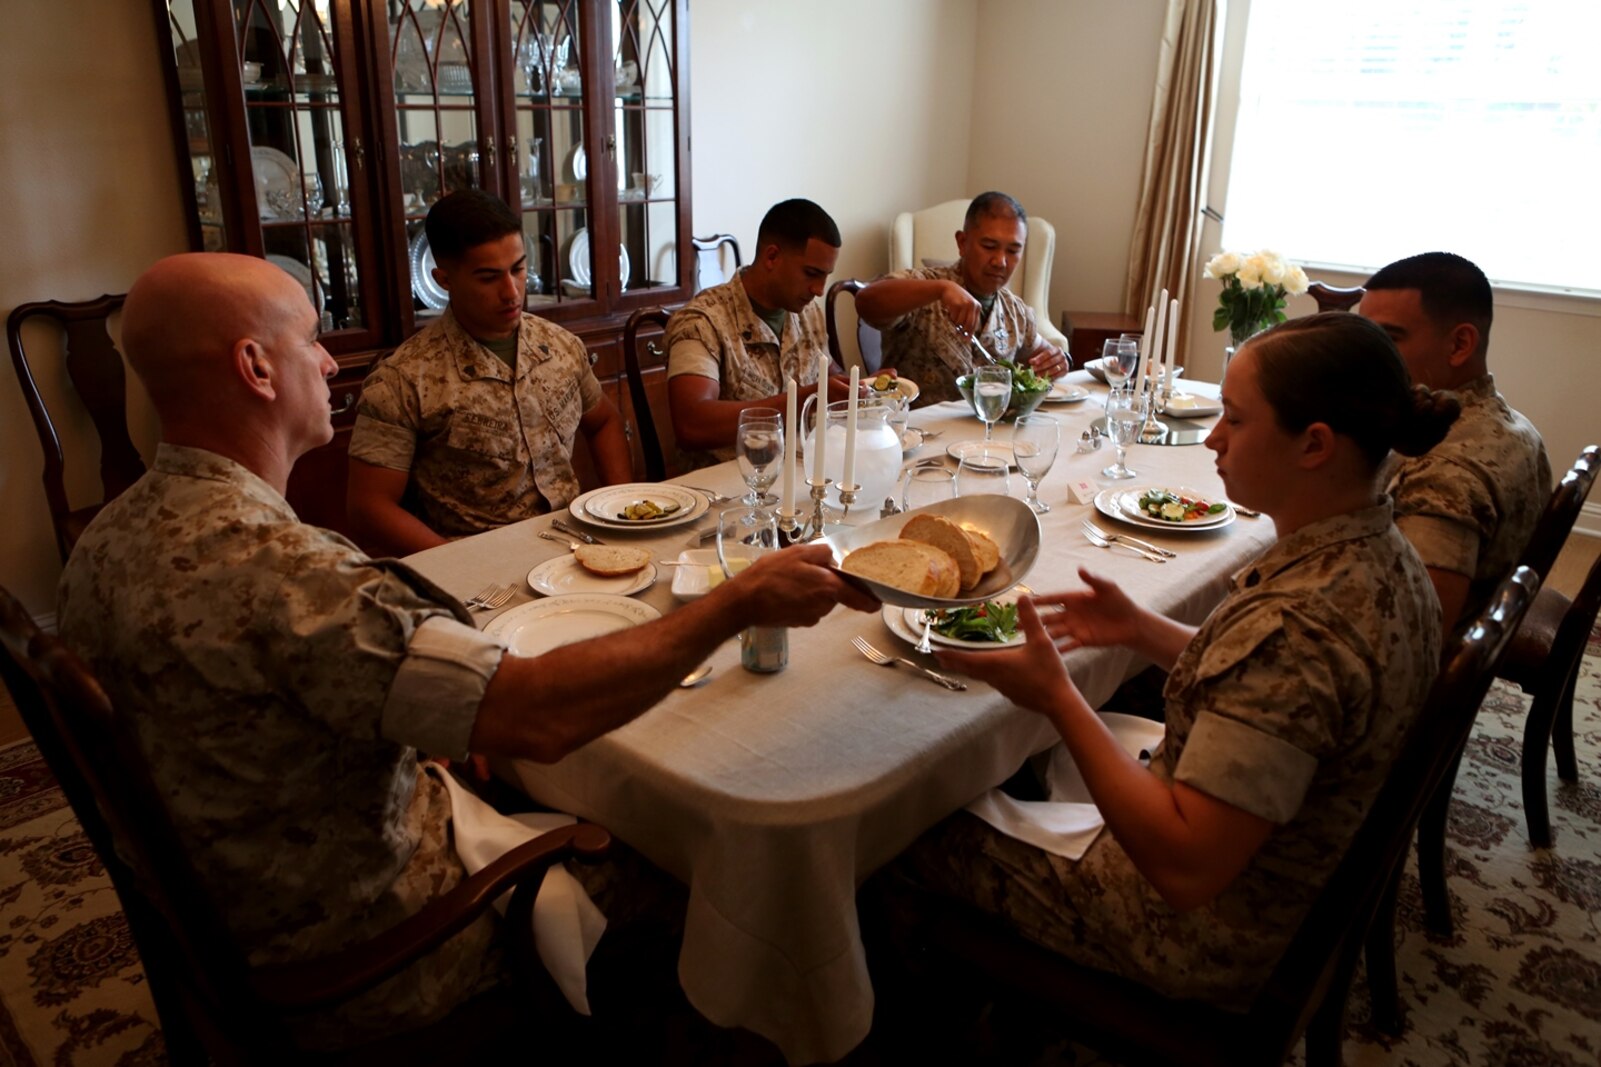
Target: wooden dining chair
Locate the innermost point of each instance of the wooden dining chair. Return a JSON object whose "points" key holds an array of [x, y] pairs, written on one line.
{"points": [[709, 259], [868, 340], [1333, 298], [1306, 993], [213, 1005], [94, 371], [656, 444]]}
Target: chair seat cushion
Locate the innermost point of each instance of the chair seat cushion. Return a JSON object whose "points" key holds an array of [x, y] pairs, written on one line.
{"points": [[1530, 647]]}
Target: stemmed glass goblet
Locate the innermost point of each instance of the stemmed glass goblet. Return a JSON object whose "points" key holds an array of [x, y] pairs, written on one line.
{"points": [[1125, 414], [992, 392], [759, 447], [1035, 440], [1120, 357]]}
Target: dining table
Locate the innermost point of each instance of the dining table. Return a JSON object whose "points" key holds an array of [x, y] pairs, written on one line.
{"points": [[773, 796]]}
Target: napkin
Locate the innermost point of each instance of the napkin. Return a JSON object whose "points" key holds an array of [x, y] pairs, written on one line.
{"points": [[1068, 823], [567, 925]]}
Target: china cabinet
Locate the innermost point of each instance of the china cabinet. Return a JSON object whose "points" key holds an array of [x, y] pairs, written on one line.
{"points": [[319, 132]]}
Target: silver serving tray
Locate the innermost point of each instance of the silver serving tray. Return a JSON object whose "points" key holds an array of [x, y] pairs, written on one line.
{"points": [[1009, 523]]}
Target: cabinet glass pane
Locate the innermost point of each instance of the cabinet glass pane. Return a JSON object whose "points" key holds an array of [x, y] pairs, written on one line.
{"points": [[552, 164], [298, 154], [437, 76], [644, 70], [192, 88]]}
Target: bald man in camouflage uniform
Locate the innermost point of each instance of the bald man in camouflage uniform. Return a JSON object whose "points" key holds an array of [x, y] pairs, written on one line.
{"points": [[1291, 703], [1471, 504], [280, 683], [926, 314]]}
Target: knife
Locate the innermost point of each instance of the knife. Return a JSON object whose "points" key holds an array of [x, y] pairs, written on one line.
{"points": [[1158, 549], [581, 535]]}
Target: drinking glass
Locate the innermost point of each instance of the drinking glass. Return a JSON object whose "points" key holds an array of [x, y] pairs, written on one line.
{"points": [[980, 472], [1035, 440], [744, 535], [1125, 413], [759, 447], [927, 485], [992, 392], [1119, 358]]}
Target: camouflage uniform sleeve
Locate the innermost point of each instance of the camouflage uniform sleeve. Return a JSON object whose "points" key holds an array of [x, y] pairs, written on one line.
{"points": [[916, 274], [589, 390], [385, 433], [1273, 693], [433, 702], [692, 346], [1446, 511]]}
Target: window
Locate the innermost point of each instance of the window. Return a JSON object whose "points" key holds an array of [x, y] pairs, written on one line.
{"points": [[1374, 129]]}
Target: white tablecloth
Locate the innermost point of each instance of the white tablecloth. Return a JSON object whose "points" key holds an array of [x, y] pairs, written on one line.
{"points": [[774, 796]]}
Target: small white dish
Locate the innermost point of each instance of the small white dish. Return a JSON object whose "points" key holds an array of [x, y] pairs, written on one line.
{"points": [[692, 578], [904, 386], [1191, 406], [1063, 392], [911, 440], [563, 575], [960, 450]]}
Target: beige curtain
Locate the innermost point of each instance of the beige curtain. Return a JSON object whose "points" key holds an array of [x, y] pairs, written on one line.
{"points": [[1167, 227]]}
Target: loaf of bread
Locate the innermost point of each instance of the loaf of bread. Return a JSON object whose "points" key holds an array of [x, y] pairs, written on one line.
{"points": [[611, 561], [948, 537], [915, 566]]}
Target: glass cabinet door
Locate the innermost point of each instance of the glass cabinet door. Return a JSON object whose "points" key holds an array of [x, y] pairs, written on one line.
{"points": [[208, 199], [645, 67], [439, 66], [553, 164]]}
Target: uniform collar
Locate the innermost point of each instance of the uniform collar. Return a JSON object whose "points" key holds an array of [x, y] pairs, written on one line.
{"points": [[474, 362], [1315, 537], [184, 461], [752, 328]]}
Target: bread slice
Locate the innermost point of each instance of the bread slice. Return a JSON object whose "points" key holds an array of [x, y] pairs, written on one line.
{"points": [[611, 561], [948, 537], [913, 566], [987, 551]]}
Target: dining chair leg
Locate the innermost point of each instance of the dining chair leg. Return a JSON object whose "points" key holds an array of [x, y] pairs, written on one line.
{"points": [[1431, 854], [1537, 736], [1562, 732], [1326, 1031], [1384, 997]]}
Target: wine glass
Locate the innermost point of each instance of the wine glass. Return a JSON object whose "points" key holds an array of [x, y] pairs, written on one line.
{"points": [[1125, 413], [759, 447], [1035, 440], [979, 472], [992, 392], [1120, 356], [927, 485]]}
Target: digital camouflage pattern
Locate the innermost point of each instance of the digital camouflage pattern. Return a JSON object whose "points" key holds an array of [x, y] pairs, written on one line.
{"points": [[745, 359], [923, 345], [1470, 504], [254, 657], [1291, 703], [486, 445]]}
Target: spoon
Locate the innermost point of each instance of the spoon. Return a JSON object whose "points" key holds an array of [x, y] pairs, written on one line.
{"points": [[696, 677]]}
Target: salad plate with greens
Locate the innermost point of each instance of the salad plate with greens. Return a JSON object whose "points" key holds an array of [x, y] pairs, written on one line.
{"points": [[975, 627], [1176, 507]]}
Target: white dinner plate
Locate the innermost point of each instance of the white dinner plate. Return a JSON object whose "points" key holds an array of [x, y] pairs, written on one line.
{"points": [[275, 173], [563, 575], [423, 285], [1063, 392], [907, 624], [1191, 406], [958, 450], [578, 257], [600, 507], [1106, 502], [1130, 503], [580, 163], [538, 626]]}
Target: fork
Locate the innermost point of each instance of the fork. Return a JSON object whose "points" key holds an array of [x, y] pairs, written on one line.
{"points": [[1097, 539], [885, 660], [490, 597], [1146, 545], [712, 498]]}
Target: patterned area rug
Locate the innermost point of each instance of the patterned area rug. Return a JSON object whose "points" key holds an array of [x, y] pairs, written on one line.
{"points": [[1518, 983]]}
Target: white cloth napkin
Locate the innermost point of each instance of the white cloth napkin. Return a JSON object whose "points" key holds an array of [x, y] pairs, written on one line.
{"points": [[1068, 823], [567, 925]]}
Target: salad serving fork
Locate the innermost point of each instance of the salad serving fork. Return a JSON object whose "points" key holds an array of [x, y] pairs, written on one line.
{"points": [[883, 659], [1097, 539], [1158, 549]]}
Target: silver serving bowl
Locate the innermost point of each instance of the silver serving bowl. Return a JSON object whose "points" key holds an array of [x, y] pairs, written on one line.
{"points": [[1008, 522]]}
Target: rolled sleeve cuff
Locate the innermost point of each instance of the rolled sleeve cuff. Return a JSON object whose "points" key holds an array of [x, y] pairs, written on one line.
{"points": [[1441, 543], [434, 699], [382, 444], [692, 357], [1240, 765]]}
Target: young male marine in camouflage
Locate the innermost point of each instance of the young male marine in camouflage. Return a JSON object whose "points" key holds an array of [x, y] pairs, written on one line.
{"points": [[280, 683]]}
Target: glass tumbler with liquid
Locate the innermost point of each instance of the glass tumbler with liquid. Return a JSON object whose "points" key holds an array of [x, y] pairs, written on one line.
{"points": [[744, 535]]}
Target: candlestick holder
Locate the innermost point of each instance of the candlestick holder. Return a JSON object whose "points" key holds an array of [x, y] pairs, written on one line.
{"points": [[847, 497], [790, 527], [1152, 430], [794, 528]]}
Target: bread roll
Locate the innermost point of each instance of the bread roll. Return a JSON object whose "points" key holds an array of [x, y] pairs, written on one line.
{"points": [[987, 551], [913, 566], [949, 538], [611, 561]]}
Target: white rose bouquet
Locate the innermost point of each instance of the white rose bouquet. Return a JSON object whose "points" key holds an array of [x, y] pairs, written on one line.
{"points": [[1254, 288]]}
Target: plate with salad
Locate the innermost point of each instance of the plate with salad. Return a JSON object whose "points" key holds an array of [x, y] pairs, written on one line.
{"points": [[977, 627], [1168, 507]]}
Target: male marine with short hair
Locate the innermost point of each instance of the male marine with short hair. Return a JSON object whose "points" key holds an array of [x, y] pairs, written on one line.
{"points": [[927, 314], [475, 417], [1471, 503]]}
